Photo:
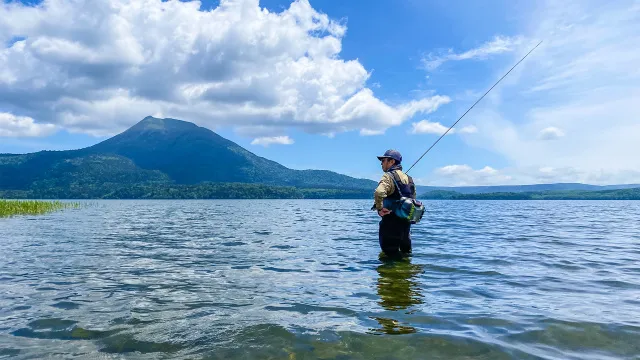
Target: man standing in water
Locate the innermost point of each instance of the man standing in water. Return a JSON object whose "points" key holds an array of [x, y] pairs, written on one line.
{"points": [[394, 233]]}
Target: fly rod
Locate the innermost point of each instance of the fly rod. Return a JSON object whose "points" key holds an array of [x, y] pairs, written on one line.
{"points": [[454, 124]]}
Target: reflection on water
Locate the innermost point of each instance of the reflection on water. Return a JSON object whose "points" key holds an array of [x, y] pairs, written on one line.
{"points": [[398, 286], [398, 289]]}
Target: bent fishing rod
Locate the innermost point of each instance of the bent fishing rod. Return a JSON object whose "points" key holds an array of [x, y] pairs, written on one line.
{"points": [[465, 113]]}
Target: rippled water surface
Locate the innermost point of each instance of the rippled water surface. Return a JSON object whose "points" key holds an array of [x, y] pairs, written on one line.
{"points": [[302, 279]]}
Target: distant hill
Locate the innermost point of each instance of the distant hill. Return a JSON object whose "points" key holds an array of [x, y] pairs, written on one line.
{"points": [[619, 194], [524, 188]]}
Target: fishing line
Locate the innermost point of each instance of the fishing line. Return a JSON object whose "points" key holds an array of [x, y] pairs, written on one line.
{"points": [[454, 124]]}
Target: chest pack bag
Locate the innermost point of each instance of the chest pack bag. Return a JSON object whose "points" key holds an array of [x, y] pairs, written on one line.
{"points": [[404, 207]]}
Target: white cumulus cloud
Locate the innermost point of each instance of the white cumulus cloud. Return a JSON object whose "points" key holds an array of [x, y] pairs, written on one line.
{"points": [[23, 126], [99, 66], [465, 175], [454, 169], [266, 141]]}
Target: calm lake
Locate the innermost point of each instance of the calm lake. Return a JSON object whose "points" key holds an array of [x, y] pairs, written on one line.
{"points": [[302, 279]]}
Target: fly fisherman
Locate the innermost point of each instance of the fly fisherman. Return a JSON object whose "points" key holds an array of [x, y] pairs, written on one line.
{"points": [[394, 232]]}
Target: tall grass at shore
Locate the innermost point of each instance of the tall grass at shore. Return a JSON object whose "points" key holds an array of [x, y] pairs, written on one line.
{"points": [[32, 207]]}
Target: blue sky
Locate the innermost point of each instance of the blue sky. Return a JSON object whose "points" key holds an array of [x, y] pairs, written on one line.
{"points": [[330, 84]]}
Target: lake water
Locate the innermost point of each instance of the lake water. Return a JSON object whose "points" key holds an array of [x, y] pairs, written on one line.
{"points": [[288, 279]]}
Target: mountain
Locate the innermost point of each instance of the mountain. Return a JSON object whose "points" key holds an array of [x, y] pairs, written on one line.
{"points": [[161, 152], [190, 154]]}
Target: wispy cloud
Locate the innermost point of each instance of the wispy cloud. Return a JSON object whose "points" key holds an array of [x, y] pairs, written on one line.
{"points": [[266, 141], [498, 45], [583, 81], [427, 127]]}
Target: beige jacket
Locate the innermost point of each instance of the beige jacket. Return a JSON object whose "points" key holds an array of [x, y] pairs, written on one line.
{"points": [[386, 187]]}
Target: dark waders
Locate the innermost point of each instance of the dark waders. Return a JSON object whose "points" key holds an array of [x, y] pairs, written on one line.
{"points": [[394, 235]]}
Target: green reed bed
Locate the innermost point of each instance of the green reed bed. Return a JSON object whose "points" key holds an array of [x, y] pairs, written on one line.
{"points": [[32, 207]]}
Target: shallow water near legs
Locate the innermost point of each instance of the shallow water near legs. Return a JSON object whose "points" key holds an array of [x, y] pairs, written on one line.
{"points": [[304, 279]]}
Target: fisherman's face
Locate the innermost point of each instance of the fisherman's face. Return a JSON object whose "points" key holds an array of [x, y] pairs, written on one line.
{"points": [[386, 163]]}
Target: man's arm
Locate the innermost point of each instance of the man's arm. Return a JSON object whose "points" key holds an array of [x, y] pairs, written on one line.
{"points": [[413, 187], [384, 189]]}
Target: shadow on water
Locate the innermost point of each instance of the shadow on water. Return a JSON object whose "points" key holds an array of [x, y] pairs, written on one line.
{"points": [[398, 290]]}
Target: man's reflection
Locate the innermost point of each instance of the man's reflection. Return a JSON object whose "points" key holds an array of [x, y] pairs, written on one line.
{"points": [[398, 289]]}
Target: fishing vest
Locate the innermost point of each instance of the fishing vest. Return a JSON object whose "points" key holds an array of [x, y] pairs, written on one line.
{"points": [[401, 201]]}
